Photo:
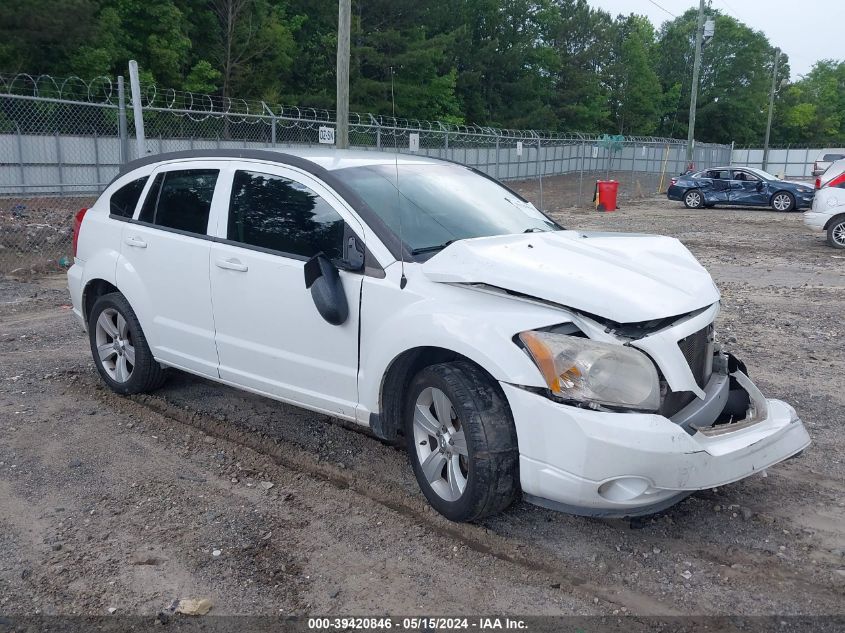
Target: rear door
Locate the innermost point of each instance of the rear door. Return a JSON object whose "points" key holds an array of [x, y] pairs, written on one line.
{"points": [[270, 337], [748, 189], [719, 185], [164, 269]]}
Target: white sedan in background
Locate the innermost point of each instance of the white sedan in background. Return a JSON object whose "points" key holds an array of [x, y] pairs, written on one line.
{"points": [[828, 210]]}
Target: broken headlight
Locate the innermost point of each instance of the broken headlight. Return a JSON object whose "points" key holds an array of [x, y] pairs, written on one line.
{"points": [[580, 369]]}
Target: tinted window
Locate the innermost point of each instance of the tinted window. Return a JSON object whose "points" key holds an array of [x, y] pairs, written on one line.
{"points": [[181, 200], [720, 175], [282, 215], [125, 199], [832, 157]]}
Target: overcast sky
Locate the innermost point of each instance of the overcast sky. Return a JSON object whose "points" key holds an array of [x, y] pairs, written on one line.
{"points": [[806, 30]]}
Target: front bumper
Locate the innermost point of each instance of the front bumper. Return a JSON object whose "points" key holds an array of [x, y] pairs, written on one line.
{"points": [[601, 463]]}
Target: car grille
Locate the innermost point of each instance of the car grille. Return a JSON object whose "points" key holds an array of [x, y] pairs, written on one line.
{"points": [[697, 349]]}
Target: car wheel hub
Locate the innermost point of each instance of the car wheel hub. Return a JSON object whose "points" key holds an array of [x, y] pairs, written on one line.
{"points": [[839, 233], [440, 444], [114, 345]]}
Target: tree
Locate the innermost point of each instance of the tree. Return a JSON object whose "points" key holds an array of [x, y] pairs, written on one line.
{"points": [[636, 96], [735, 78]]}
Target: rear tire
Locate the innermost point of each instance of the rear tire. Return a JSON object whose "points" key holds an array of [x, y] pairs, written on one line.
{"points": [[119, 347], [694, 199], [783, 201], [467, 466], [836, 232]]}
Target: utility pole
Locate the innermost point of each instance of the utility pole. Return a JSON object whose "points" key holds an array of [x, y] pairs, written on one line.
{"points": [[771, 107], [699, 32], [344, 25]]}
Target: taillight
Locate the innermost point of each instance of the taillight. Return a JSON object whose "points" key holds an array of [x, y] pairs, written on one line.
{"points": [[818, 183], [77, 223], [674, 181]]}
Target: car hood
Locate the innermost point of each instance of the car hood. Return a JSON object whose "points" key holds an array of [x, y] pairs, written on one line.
{"points": [[624, 277]]}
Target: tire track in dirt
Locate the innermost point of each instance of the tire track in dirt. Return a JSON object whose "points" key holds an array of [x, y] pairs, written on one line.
{"points": [[386, 494]]}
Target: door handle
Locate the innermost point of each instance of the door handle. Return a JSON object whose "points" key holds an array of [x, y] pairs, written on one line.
{"points": [[232, 264], [137, 242]]}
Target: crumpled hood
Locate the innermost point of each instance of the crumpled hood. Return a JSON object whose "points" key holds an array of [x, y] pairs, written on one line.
{"points": [[624, 277]]}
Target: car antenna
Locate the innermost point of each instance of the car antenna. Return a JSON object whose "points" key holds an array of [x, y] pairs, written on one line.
{"points": [[403, 281]]}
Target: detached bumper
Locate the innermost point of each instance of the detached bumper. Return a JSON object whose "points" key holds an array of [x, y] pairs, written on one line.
{"points": [[627, 464]]}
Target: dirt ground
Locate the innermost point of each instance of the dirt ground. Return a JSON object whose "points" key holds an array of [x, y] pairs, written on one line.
{"points": [[199, 490]]}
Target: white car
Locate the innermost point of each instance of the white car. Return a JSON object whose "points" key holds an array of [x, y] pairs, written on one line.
{"points": [[507, 353], [828, 210]]}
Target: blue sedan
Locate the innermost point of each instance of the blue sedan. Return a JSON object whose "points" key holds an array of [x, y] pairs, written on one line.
{"points": [[739, 186]]}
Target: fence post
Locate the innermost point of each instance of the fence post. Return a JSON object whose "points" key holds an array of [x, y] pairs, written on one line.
{"points": [[807, 160], [786, 163], [135, 85], [540, 170], [97, 157], [122, 131], [497, 157], [59, 163], [581, 174], [20, 156]]}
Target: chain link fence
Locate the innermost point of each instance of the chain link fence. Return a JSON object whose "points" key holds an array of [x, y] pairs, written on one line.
{"points": [[62, 141]]}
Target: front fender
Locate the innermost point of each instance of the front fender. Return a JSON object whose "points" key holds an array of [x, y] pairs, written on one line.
{"points": [[448, 317]]}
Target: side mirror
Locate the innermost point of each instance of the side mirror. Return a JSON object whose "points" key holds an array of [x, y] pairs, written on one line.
{"points": [[326, 289]]}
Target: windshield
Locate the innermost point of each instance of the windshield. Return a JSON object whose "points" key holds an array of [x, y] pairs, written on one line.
{"points": [[440, 204]]}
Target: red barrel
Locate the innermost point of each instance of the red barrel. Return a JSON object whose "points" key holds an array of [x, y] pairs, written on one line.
{"points": [[606, 191]]}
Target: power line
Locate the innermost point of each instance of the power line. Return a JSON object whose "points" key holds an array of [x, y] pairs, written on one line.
{"points": [[662, 8]]}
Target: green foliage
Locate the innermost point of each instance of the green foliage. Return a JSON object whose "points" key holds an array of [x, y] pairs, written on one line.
{"points": [[514, 63]]}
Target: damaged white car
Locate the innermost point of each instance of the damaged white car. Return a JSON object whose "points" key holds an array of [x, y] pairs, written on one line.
{"points": [[430, 303]]}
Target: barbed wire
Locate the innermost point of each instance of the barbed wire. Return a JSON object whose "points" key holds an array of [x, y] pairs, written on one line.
{"points": [[100, 89], [199, 107]]}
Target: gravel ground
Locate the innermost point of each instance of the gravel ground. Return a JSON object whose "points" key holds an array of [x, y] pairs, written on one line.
{"points": [[199, 490]]}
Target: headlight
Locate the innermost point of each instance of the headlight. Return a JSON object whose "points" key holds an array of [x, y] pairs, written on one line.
{"points": [[601, 373]]}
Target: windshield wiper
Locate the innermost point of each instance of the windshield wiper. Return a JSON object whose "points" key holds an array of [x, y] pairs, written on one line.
{"points": [[430, 249]]}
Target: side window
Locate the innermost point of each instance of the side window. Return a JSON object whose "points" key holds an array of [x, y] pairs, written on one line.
{"points": [[124, 200], [282, 215], [181, 200]]}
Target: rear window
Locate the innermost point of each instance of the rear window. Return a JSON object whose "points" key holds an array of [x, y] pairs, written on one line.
{"points": [[181, 200], [124, 200], [832, 157]]}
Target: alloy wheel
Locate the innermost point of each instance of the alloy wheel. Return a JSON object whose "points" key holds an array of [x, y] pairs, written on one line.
{"points": [[694, 199], [114, 345], [440, 444], [837, 234], [782, 202]]}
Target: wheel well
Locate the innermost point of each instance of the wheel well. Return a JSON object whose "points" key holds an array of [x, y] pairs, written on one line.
{"points": [[387, 424], [772, 197], [95, 289], [835, 218]]}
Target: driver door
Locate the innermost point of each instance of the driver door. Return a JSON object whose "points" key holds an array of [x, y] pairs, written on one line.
{"points": [[747, 188], [270, 336]]}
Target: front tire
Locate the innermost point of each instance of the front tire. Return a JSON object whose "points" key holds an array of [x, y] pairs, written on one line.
{"points": [[461, 441], [836, 232], [119, 347], [694, 199], [783, 201]]}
